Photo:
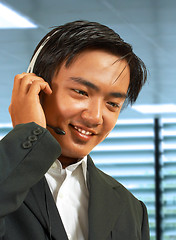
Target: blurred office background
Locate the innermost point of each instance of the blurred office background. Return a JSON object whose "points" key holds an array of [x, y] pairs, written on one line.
{"points": [[141, 150]]}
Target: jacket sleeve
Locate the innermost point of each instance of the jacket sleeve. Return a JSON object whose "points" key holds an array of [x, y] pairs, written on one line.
{"points": [[26, 153]]}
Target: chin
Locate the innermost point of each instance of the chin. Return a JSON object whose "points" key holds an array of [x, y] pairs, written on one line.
{"points": [[75, 156]]}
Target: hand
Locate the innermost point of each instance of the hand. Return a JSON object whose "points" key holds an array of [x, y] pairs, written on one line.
{"points": [[25, 104]]}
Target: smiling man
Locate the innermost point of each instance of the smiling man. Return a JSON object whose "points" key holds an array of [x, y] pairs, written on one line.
{"points": [[68, 102]]}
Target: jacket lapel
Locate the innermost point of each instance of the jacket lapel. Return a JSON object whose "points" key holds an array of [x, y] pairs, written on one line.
{"points": [[105, 204], [41, 203]]}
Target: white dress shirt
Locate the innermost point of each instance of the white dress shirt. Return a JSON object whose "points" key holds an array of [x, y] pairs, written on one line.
{"points": [[70, 192]]}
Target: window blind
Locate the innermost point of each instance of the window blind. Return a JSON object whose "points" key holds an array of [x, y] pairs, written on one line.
{"points": [[168, 178]]}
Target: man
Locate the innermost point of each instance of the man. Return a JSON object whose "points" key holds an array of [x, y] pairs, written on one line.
{"points": [[78, 80]]}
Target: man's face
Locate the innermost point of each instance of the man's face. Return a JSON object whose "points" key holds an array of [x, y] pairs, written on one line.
{"points": [[86, 100]]}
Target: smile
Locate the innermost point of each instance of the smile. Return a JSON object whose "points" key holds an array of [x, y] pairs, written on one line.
{"points": [[84, 132]]}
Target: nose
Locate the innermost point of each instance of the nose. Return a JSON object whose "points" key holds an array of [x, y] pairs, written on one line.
{"points": [[93, 114]]}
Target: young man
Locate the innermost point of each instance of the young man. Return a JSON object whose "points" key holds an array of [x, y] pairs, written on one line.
{"points": [[67, 103]]}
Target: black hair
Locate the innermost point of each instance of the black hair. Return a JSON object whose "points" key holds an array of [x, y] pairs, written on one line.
{"points": [[70, 39]]}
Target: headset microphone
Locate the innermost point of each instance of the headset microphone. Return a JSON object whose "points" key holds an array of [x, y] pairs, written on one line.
{"points": [[57, 130], [30, 70]]}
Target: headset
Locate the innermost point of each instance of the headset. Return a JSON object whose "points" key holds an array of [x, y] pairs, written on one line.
{"points": [[31, 68]]}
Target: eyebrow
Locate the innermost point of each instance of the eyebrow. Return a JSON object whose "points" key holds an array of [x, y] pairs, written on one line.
{"points": [[85, 83], [96, 88]]}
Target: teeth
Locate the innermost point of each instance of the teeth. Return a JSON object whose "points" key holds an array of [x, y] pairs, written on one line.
{"points": [[83, 131]]}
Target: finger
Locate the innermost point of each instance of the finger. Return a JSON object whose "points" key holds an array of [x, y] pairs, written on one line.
{"points": [[27, 81], [38, 86], [17, 82], [10, 106]]}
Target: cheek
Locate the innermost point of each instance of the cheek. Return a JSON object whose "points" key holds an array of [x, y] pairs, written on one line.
{"points": [[110, 122], [69, 107]]}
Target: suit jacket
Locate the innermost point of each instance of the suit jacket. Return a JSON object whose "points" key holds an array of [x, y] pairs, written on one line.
{"points": [[27, 208]]}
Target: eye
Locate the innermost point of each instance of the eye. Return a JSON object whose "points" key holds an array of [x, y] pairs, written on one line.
{"points": [[81, 92], [114, 105]]}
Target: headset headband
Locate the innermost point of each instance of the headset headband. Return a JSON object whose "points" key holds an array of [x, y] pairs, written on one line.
{"points": [[33, 60]]}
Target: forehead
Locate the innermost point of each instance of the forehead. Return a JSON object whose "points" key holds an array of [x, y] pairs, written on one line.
{"points": [[92, 55], [97, 66]]}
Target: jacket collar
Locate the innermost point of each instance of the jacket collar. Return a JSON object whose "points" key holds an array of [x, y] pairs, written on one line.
{"points": [[105, 203]]}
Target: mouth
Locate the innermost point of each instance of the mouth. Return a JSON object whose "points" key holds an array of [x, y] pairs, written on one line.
{"points": [[83, 131], [87, 133]]}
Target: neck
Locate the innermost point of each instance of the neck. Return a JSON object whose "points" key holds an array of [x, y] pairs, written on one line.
{"points": [[66, 161]]}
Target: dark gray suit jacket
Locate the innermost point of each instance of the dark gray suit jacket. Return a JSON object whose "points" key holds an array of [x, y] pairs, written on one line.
{"points": [[27, 208]]}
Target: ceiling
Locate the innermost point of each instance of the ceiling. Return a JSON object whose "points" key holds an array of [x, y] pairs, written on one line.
{"points": [[149, 25]]}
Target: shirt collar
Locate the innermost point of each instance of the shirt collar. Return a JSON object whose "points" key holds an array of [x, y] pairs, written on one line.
{"points": [[84, 168], [57, 167], [83, 163]]}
